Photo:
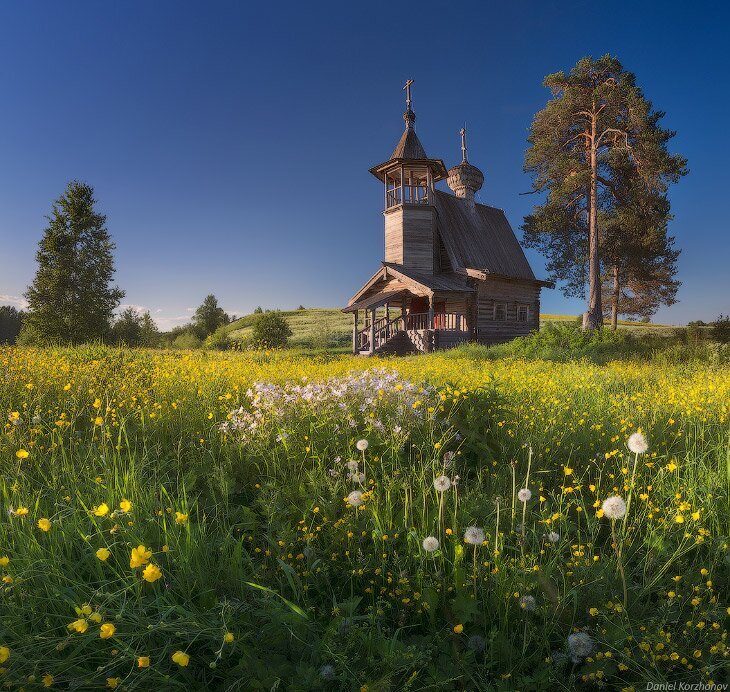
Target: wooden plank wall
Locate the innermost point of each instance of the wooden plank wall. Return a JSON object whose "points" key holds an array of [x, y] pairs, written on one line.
{"points": [[512, 294], [418, 237], [394, 235]]}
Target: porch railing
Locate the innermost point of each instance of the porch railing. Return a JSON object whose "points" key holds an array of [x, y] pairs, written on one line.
{"points": [[444, 321], [379, 332]]}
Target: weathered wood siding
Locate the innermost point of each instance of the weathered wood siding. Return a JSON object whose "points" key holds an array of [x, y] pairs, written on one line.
{"points": [[409, 237], [511, 294]]}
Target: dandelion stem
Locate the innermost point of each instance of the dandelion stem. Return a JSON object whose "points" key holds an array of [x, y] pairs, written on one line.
{"points": [[617, 550]]}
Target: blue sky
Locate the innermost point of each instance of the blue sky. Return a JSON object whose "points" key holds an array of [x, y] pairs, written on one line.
{"points": [[229, 142]]}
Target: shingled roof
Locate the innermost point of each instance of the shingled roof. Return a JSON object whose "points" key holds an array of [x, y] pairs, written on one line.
{"points": [[479, 237], [409, 146]]}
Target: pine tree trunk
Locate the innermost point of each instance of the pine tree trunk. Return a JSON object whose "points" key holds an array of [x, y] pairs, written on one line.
{"points": [[594, 317], [615, 298]]}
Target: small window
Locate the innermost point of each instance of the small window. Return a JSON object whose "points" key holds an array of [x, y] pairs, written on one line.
{"points": [[500, 311], [523, 313]]}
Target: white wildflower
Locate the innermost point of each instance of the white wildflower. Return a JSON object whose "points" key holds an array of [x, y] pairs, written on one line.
{"points": [[430, 544], [553, 537], [580, 645], [637, 443], [442, 483], [362, 445], [527, 602], [355, 498], [614, 507], [524, 495], [474, 535], [353, 466]]}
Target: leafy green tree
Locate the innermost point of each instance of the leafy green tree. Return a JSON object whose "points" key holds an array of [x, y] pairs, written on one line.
{"points": [[127, 328], [208, 317], [271, 330], [72, 299], [11, 322], [133, 328], [150, 334], [640, 260], [597, 124]]}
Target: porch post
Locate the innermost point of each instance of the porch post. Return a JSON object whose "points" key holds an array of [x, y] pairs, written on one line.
{"points": [[430, 311], [403, 312], [354, 333], [372, 330]]}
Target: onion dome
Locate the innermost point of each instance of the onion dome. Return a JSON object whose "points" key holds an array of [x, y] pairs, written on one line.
{"points": [[465, 179]]}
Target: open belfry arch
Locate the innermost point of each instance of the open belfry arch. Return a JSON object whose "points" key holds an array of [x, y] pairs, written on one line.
{"points": [[453, 270]]}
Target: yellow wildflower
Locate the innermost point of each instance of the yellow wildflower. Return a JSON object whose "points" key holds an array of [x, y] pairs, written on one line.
{"points": [[151, 573], [44, 525], [140, 556], [125, 505], [22, 454], [103, 554], [181, 658], [143, 662], [101, 510], [107, 630]]}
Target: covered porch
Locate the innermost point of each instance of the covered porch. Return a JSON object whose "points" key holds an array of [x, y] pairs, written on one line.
{"points": [[402, 321]]}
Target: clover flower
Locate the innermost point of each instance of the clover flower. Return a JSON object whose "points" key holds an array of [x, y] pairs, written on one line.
{"points": [[430, 544], [637, 443], [580, 645], [614, 507], [442, 483], [524, 495], [474, 535]]}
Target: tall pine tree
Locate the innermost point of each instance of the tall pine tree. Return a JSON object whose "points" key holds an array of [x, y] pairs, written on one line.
{"points": [[72, 299], [598, 118]]}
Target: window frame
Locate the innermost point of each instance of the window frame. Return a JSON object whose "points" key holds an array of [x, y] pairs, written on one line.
{"points": [[497, 305], [526, 308]]}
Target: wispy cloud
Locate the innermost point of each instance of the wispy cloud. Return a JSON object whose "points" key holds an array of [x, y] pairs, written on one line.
{"points": [[17, 301]]}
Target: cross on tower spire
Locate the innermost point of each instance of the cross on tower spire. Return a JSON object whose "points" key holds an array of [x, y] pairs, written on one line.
{"points": [[407, 89], [463, 143]]}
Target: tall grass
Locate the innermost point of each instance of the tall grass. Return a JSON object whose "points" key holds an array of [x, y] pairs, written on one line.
{"points": [[255, 540]]}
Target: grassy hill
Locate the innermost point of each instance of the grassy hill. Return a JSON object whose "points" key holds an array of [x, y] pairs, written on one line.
{"points": [[329, 327]]}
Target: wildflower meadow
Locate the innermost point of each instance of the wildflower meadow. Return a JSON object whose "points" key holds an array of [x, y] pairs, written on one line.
{"points": [[257, 521]]}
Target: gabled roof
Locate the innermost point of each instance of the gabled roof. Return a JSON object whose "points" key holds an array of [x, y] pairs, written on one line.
{"points": [[443, 281], [479, 238], [409, 146]]}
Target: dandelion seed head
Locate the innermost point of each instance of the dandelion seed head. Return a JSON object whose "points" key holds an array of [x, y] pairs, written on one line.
{"points": [[553, 537], [430, 544], [524, 495], [580, 645], [474, 535], [637, 443], [355, 498], [362, 445], [527, 602], [442, 483], [614, 507]]}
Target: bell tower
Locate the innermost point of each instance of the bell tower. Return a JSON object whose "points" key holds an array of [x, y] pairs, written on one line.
{"points": [[410, 217]]}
